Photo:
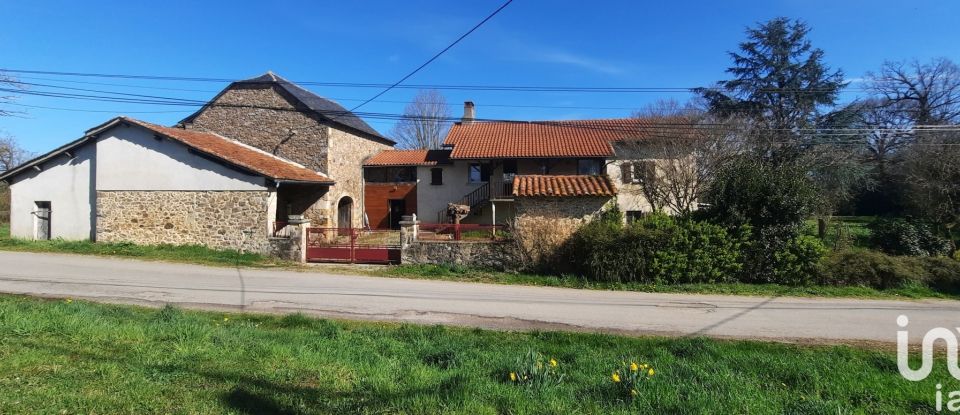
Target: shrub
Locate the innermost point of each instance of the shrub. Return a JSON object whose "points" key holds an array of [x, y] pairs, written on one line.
{"points": [[872, 269], [656, 249], [761, 194], [897, 236], [798, 261], [943, 274]]}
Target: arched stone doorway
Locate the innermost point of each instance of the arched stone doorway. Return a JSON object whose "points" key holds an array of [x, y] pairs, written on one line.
{"points": [[345, 212]]}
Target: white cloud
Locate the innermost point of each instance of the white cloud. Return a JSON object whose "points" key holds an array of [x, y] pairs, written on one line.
{"points": [[581, 61]]}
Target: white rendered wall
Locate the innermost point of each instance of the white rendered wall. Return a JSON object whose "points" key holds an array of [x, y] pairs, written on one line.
{"points": [[433, 198], [65, 182], [130, 158]]}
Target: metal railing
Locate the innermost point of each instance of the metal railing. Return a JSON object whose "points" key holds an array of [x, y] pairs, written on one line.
{"points": [[462, 232]]}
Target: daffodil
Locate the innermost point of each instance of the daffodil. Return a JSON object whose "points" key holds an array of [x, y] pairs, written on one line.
{"points": [[634, 367], [650, 372], [615, 377], [513, 377], [553, 362]]}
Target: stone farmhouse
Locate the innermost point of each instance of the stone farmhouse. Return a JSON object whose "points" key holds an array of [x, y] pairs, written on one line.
{"points": [[266, 166], [508, 171], [261, 152]]}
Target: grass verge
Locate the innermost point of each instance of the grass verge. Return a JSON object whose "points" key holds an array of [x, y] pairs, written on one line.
{"points": [[192, 254], [195, 254], [61, 356], [455, 273]]}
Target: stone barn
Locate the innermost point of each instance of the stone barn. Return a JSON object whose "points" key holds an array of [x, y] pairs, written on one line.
{"points": [[129, 180]]}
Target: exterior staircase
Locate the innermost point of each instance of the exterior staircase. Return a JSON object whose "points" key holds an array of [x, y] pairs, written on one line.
{"points": [[480, 196]]}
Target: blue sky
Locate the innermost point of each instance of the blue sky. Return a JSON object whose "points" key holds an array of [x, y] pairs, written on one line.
{"points": [[532, 42]]}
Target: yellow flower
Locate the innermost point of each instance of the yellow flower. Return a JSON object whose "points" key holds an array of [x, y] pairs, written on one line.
{"points": [[69, 300], [553, 362], [633, 392], [615, 377], [634, 367], [650, 372], [226, 319], [513, 377]]}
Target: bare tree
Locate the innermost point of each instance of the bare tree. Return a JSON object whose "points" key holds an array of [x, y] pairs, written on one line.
{"points": [[930, 173], [8, 86], [424, 123], [11, 154], [680, 149], [929, 94]]}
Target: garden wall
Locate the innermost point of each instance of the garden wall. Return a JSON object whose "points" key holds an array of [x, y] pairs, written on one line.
{"points": [[492, 255]]}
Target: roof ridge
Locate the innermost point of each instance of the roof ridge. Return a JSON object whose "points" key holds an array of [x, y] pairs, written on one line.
{"points": [[476, 122]]}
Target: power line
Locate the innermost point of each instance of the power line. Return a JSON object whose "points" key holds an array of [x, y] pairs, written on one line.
{"points": [[513, 88], [497, 105], [463, 36], [649, 129]]}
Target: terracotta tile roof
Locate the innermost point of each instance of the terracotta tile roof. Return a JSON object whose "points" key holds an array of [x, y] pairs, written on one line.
{"points": [[237, 153], [562, 186], [409, 158], [540, 139]]}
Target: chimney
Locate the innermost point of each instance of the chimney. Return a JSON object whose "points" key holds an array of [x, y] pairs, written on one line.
{"points": [[469, 112]]}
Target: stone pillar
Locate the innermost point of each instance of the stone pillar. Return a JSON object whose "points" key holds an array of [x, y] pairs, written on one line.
{"points": [[299, 235]]}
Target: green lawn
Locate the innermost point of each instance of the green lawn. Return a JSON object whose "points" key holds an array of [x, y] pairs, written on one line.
{"points": [[61, 356], [843, 231]]}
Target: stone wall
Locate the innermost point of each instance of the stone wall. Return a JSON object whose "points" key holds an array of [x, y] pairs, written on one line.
{"points": [[489, 255], [294, 132], [291, 131], [544, 224], [347, 153], [217, 219]]}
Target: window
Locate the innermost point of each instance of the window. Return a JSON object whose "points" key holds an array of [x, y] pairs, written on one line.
{"points": [[479, 173], [544, 167], [436, 176], [509, 167], [589, 166], [633, 215], [390, 174], [639, 171]]}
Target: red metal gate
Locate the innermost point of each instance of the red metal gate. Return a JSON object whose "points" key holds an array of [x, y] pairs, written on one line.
{"points": [[353, 245]]}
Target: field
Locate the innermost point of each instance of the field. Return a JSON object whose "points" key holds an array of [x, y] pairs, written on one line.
{"points": [[62, 356]]}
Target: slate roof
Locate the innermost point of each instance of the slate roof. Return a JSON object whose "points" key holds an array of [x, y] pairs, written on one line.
{"points": [[542, 139], [527, 185], [409, 158], [325, 108]]}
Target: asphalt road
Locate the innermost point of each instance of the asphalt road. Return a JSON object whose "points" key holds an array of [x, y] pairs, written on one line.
{"points": [[469, 304]]}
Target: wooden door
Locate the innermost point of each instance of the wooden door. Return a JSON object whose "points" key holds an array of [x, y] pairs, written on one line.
{"points": [[43, 220]]}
